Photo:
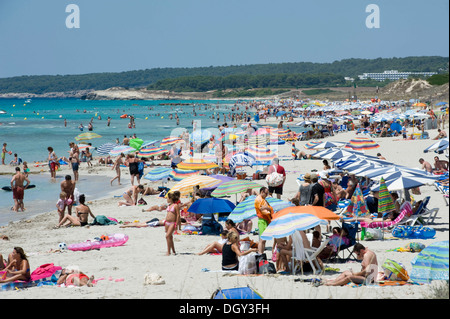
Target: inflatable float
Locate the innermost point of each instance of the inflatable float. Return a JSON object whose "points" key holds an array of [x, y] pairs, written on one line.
{"points": [[113, 240], [8, 188], [123, 116]]}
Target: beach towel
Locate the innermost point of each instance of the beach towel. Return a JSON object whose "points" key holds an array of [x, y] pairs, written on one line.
{"points": [[102, 220], [406, 209], [44, 274]]}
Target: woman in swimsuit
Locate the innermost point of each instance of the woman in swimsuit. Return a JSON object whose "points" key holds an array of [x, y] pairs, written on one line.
{"points": [[74, 278], [133, 164], [83, 211], [131, 195], [116, 166], [18, 267], [172, 221], [231, 252]]}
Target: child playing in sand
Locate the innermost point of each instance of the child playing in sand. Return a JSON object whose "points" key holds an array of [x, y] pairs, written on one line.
{"points": [[172, 220], [61, 205]]}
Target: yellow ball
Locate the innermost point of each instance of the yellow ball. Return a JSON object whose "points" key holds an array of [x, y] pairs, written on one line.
{"points": [[37, 113], [25, 119], [162, 117], [146, 118]]}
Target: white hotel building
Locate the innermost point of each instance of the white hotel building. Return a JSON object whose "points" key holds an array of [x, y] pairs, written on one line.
{"points": [[393, 75]]}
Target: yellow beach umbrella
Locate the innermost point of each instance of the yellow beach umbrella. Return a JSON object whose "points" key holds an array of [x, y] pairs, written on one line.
{"points": [[196, 164], [185, 187]]}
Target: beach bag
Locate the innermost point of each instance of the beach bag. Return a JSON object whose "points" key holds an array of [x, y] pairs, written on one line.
{"points": [[247, 264], [394, 271], [46, 272], [373, 234], [210, 226], [274, 179]]}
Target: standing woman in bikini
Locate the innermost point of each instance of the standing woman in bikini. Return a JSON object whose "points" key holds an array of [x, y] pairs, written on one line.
{"points": [[172, 220], [18, 267]]}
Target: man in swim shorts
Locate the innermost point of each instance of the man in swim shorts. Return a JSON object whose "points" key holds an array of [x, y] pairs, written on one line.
{"points": [[18, 189], [68, 187]]}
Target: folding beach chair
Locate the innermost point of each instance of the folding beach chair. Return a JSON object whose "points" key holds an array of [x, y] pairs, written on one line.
{"points": [[302, 254], [345, 252]]}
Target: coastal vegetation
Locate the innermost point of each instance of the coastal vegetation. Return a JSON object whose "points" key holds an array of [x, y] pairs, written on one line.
{"points": [[275, 75]]}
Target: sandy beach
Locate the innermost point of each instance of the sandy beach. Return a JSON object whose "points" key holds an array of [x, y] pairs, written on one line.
{"points": [[121, 271]]}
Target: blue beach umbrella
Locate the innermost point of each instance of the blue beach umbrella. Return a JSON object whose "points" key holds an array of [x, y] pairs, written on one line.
{"points": [[438, 146], [431, 263], [211, 206], [104, 149], [200, 136], [158, 174]]}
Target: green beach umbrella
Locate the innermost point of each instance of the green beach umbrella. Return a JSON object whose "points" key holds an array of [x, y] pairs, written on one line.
{"points": [[234, 187], [431, 264], [87, 136], [385, 202], [136, 143]]}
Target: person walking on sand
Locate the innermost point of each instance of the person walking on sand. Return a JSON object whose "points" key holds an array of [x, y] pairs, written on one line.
{"points": [[68, 187], [116, 166], [18, 189]]}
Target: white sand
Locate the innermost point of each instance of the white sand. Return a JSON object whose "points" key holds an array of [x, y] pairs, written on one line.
{"points": [[144, 253]]}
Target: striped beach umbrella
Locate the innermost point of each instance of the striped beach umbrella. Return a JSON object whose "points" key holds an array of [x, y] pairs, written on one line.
{"points": [[357, 206], [325, 145], [196, 164], [234, 187], [185, 187], [246, 209], [87, 136], [318, 211], [170, 140], [125, 149], [180, 174], [158, 174], [439, 146], [311, 144], [152, 151], [200, 136], [287, 224], [262, 154], [431, 264], [362, 143], [385, 202], [104, 149]]}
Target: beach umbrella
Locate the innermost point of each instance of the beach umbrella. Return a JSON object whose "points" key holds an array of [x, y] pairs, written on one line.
{"points": [[287, 224], [180, 174], [234, 187], [325, 145], [376, 173], [246, 209], [152, 151], [196, 164], [431, 263], [211, 206], [318, 211], [337, 154], [221, 178], [385, 202], [366, 112], [304, 123], [136, 143], [157, 174], [242, 159], [420, 104], [228, 137], [200, 136], [403, 180], [438, 146], [146, 144], [311, 144], [125, 149], [262, 154], [170, 140], [104, 149], [441, 103], [357, 206], [362, 143], [87, 136], [185, 187]]}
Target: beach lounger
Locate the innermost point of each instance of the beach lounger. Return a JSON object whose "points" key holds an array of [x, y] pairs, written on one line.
{"points": [[405, 210], [421, 213]]}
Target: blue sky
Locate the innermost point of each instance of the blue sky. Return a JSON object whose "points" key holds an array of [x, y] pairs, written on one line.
{"points": [[125, 35]]}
